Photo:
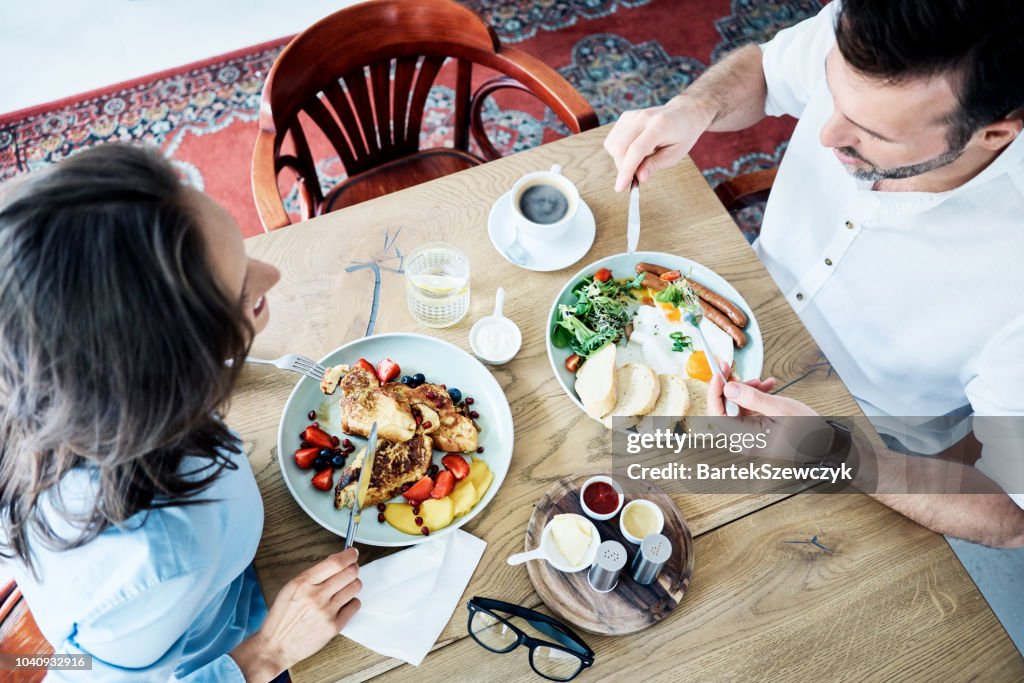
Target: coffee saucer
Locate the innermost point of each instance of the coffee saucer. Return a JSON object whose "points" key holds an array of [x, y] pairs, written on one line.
{"points": [[542, 256]]}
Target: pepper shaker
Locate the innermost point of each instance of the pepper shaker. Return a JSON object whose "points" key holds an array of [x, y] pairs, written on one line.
{"points": [[604, 573], [655, 551]]}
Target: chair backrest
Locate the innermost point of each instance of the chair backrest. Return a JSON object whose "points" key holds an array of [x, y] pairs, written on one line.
{"points": [[19, 633], [361, 76]]}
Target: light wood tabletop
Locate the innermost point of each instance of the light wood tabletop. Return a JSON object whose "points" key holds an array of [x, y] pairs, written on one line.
{"points": [[888, 601]]}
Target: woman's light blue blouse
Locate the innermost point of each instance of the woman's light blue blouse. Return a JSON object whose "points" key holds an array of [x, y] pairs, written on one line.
{"points": [[164, 597]]}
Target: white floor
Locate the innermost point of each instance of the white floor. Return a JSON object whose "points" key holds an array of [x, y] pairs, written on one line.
{"points": [[51, 49]]}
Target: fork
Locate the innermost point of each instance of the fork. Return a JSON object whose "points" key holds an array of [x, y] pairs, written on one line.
{"points": [[300, 364]]}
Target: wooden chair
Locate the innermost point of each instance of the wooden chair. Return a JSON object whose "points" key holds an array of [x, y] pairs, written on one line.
{"points": [[19, 633], [360, 78], [746, 190]]}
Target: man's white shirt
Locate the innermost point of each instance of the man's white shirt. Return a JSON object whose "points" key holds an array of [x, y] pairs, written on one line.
{"points": [[916, 299]]}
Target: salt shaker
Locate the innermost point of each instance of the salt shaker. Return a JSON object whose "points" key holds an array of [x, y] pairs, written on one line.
{"points": [[655, 551], [604, 573]]}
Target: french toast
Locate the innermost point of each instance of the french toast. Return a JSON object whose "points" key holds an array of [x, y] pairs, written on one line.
{"points": [[395, 463], [451, 430], [364, 402]]}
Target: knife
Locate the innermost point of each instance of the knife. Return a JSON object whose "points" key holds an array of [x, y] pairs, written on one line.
{"points": [[364, 481], [633, 221]]}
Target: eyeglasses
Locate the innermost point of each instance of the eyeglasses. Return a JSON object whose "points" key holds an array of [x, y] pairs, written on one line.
{"points": [[560, 659]]}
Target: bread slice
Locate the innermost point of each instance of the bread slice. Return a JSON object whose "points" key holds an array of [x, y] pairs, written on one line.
{"points": [[636, 392], [698, 392], [595, 381]]}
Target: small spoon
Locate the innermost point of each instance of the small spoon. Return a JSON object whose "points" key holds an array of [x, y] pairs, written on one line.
{"points": [[497, 321], [516, 252], [731, 409]]}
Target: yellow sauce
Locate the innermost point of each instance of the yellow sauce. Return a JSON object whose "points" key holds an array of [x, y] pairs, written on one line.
{"points": [[640, 520]]}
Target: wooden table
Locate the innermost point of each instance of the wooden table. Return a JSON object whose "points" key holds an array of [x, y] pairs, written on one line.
{"points": [[890, 601]]}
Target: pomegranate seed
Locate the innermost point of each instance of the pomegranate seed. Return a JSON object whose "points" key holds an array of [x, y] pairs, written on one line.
{"points": [[311, 415], [380, 517], [405, 487], [419, 419], [427, 425], [473, 414], [335, 441], [347, 443], [480, 449], [419, 521], [469, 401], [415, 509], [431, 395], [425, 531], [444, 386], [315, 425], [382, 507], [301, 434]]}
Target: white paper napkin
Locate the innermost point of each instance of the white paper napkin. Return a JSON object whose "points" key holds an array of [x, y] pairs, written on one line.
{"points": [[409, 596]]}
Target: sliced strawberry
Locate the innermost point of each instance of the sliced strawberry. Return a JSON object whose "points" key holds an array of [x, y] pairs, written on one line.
{"points": [[420, 491], [603, 275], [323, 479], [456, 464], [366, 365], [304, 457], [317, 437], [387, 370], [445, 484]]}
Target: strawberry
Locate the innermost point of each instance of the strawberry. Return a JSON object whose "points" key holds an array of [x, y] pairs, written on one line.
{"points": [[387, 370], [317, 437], [419, 491], [603, 275], [366, 365], [445, 484], [456, 464], [324, 480], [304, 457]]}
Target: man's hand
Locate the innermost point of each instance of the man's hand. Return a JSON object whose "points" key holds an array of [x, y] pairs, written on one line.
{"points": [[645, 140], [310, 610], [752, 398]]}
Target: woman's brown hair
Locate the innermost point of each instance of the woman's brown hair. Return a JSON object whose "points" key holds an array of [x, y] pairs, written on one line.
{"points": [[114, 334]]}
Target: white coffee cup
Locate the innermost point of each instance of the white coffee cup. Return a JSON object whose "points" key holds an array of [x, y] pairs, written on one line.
{"points": [[547, 232]]}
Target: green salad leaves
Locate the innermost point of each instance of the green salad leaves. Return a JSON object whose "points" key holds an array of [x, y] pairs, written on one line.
{"points": [[599, 315]]}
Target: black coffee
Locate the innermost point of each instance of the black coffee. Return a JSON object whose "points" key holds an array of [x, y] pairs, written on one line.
{"points": [[543, 204]]}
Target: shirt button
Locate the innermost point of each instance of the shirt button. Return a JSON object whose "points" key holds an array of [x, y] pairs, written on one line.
{"points": [[799, 296], [828, 262], [849, 225]]}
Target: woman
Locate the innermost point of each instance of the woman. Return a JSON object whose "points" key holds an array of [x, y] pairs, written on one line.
{"points": [[129, 514]]}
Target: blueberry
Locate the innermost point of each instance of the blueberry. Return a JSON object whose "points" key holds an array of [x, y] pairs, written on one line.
{"points": [[321, 463], [337, 461], [418, 378], [325, 453], [455, 394], [406, 380]]}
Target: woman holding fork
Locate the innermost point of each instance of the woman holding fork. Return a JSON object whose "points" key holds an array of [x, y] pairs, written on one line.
{"points": [[129, 514]]}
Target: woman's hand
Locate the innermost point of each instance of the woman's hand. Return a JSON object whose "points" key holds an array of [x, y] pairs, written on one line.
{"points": [[310, 610]]}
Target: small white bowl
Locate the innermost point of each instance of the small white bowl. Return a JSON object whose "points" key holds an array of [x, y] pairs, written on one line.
{"points": [[642, 503], [499, 323], [595, 515], [549, 551]]}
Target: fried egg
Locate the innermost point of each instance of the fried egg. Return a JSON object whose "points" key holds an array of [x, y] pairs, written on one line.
{"points": [[651, 344]]}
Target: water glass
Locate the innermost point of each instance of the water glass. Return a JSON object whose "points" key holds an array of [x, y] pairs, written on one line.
{"points": [[437, 284]]}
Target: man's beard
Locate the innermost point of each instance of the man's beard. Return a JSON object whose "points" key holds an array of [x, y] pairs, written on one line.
{"points": [[874, 174]]}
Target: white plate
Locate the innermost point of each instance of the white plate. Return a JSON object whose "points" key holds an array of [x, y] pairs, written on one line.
{"points": [[543, 256], [442, 363], [749, 360]]}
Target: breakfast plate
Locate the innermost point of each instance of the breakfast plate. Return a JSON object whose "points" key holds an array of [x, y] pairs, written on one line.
{"points": [[543, 256], [748, 361], [441, 362]]}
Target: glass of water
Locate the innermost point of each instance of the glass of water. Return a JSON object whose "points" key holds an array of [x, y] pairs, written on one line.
{"points": [[437, 284]]}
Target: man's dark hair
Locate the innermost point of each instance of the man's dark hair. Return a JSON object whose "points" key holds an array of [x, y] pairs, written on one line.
{"points": [[114, 333], [979, 42]]}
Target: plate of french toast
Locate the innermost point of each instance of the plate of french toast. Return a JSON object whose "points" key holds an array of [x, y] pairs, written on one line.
{"points": [[623, 337], [444, 439]]}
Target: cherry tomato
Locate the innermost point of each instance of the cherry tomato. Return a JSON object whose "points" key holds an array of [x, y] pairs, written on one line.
{"points": [[572, 363], [670, 276], [603, 275]]}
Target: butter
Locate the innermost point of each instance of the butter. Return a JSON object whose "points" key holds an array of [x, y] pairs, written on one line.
{"points": [[572, 536], [641, 521]]}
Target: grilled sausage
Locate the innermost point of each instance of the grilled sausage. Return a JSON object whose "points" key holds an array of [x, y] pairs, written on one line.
{"points": [[722, 320], [738, 317], [654, 282]]}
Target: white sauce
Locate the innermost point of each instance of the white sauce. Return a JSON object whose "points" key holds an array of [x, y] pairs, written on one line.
{"points": [[495, 340]]}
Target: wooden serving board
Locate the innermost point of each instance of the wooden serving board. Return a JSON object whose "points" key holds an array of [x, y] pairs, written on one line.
{"points": [[630, 607]]}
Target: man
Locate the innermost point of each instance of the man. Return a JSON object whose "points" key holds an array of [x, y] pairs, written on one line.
{"points": [[895, 227]]}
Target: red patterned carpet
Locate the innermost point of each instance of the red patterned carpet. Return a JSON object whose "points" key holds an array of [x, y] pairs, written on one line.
{"points": [[621, 54]]}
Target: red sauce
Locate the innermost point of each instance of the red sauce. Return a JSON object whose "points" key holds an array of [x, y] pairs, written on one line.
{"points": [[601, 497]]}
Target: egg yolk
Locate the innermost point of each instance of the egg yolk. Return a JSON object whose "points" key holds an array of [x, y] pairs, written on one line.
{"points": [[697, 366]]}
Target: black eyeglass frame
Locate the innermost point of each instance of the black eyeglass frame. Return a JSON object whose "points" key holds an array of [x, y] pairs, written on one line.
{"points": [[584, 653]]}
